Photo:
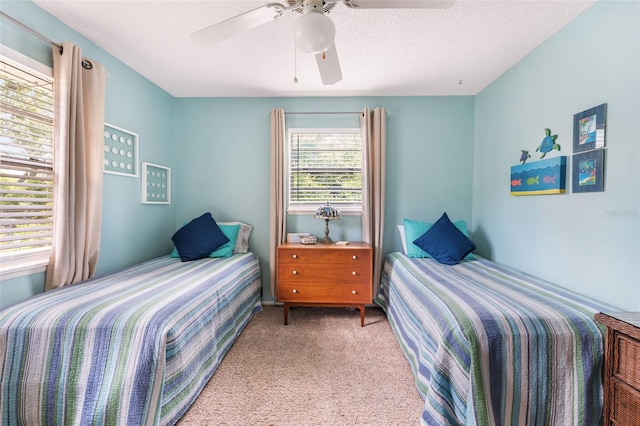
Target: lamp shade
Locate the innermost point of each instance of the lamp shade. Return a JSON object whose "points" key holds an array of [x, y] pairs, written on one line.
{"points": [[327, 212], [314, 32]]}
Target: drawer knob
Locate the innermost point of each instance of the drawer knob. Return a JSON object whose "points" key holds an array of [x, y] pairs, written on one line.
{"points": [[354, 292], [354, 273], [295, 256], [294, 290], [355, 257], [295, 272]]}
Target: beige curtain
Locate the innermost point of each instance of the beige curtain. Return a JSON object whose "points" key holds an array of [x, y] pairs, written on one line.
{"points": [[278, 212], [374, 131], [79, 98]]}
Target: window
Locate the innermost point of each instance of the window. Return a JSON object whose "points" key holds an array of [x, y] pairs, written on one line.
{"points": [[325, 165], [26, 166]]}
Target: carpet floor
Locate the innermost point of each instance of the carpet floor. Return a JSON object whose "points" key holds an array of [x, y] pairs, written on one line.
{"points": [[321, 369]]}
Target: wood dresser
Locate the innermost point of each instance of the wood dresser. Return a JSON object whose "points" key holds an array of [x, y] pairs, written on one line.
{"points": [[324, 275], [621, 368]]}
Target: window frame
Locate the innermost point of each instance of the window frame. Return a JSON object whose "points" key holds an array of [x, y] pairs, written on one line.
{"points": [[307, 209], [25, 262]]}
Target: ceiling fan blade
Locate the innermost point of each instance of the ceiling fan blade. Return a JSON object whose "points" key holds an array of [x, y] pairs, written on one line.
{"points": [[399, 4], [329, 66], [237, 24]]}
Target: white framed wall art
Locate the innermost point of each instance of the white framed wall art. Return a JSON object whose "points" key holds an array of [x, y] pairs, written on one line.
{"points": [[156, 184], [120, 151]]}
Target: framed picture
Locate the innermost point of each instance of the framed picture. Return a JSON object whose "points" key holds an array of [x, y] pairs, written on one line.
{"points": [[588, 171], [541, 177], [120, 151], [589, 128], [156, 184]]}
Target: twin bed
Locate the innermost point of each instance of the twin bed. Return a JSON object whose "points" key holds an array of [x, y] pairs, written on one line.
{"points": [[489, 345], [135, 347]]}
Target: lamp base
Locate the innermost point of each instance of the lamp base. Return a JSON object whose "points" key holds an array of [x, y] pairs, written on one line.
{"points": [[326, 239]]}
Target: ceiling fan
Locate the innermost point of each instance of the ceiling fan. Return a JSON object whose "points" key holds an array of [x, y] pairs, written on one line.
{"points": [[314, 32]]}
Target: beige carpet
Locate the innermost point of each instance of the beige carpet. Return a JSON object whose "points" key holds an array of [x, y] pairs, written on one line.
{"points": [[321, 369]]}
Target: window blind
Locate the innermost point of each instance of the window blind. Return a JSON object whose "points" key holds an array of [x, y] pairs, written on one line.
{"points": [[26, 159], [325, 167]]}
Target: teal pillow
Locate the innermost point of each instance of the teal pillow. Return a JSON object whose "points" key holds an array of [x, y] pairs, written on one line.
{"points": [[414, 229], [226, 250], [445, 242]]}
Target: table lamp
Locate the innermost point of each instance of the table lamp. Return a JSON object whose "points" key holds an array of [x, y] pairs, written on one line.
{"points": [[327, 212]]}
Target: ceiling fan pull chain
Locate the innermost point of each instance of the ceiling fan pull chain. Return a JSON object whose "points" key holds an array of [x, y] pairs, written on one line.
{"points": [[295, 64]]}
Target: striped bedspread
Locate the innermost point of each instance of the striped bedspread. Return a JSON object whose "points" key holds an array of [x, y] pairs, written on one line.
{"points": [[132, 348], [489, 345]]}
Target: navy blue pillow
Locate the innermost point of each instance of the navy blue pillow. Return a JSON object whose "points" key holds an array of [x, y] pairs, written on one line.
{"points": [[198, 238], [444, 242]]}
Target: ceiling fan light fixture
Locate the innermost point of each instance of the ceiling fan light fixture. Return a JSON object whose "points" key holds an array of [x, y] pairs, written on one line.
{"points": [[314, 32]]}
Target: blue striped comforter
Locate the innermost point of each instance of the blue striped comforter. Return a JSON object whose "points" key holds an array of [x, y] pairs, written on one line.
{"points": [[489, 345], [135, 347]]}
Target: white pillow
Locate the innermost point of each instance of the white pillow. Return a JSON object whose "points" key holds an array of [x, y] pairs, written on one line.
{"points": [[402, 238], [242, 242]]}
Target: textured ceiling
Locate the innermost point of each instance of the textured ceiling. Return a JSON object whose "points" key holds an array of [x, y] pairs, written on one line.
{"points": [[391, 52]]}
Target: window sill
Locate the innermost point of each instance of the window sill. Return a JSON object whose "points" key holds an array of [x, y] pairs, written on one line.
{"points": [[16, 268]]}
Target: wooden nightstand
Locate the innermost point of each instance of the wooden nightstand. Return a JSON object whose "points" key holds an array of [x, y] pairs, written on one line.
{"points": [[621, 368], [324, 275]]}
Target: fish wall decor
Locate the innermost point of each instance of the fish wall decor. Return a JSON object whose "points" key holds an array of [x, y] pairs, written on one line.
{"points": [[540, 177]]}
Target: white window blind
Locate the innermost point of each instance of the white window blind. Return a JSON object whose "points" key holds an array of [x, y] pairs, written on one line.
{"points": [[325, 166], [26, 160]]}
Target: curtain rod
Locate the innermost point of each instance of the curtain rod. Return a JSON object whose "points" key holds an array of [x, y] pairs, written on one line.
{"points": [[35, 33], [324, 112]]}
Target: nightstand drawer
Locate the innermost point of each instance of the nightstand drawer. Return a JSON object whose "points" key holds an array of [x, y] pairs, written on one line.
{"points": [[627, 350], [625, 410], [343, 257], [316, 273], [324, 293]]}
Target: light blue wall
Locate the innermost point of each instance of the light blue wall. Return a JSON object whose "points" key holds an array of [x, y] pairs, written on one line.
{"points": [[131, 231], [224, 166], [586, 242]]}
